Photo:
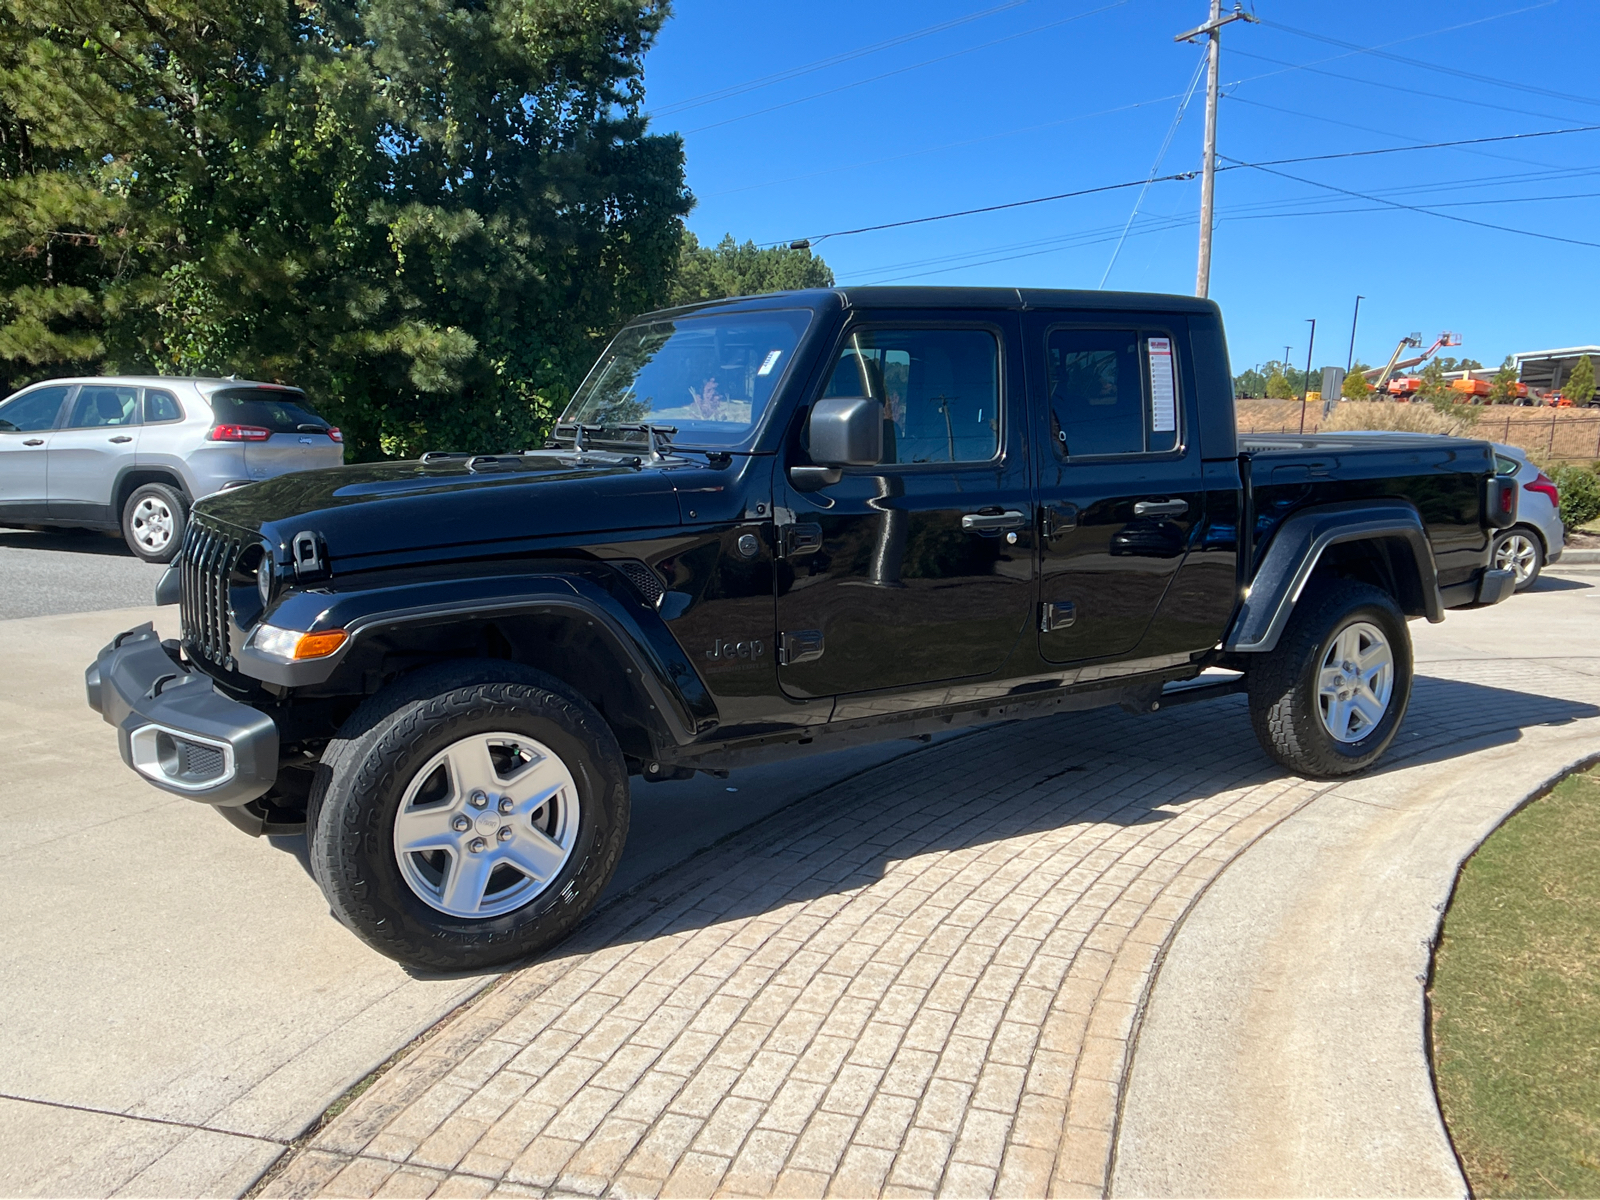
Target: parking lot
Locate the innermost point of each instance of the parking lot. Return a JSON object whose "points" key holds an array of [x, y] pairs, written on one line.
{"points": [[179, 1006]]}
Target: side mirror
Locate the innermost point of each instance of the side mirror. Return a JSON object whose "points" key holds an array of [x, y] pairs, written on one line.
{"points": [[846, 432]]}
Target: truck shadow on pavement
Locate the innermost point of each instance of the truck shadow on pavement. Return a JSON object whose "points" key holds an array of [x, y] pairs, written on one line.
{"points": [[1058, 785], [1555, 583]]}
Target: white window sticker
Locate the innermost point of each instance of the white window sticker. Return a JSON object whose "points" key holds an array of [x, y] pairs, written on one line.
{"points": [[1163, 396], [769, 362]]}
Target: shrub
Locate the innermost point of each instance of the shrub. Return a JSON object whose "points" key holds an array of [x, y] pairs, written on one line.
{"points": [[1580, 495], [1402, 418]]}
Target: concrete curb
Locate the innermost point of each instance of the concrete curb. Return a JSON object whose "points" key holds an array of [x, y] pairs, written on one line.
{"points": [[1573, 557], [1285, 1047]]}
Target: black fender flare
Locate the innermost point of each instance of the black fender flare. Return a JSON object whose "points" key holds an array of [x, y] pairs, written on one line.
{"points": [[595, 593], [1297, 547]]}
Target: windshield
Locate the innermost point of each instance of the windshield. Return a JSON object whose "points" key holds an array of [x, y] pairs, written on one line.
{"points": [[709, 377]]}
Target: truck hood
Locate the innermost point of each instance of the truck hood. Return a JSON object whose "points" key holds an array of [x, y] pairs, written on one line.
{"points": [[372, 509]]}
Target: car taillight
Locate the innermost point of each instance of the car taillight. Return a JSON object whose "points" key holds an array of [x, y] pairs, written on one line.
{"points": [[239, 433], [333, 432], [1545, 487]]}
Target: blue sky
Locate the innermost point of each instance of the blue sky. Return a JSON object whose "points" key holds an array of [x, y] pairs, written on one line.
{"points": [[1015, 100]]}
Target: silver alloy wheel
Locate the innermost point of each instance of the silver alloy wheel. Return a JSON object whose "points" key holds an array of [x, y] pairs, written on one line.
{"points": [[152, 524], [1516, 553], [486, 824], [1355, 681]]}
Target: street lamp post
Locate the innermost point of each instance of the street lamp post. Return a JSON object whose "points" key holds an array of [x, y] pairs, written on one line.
{"points": [[1350, 359], [1305, 389]]}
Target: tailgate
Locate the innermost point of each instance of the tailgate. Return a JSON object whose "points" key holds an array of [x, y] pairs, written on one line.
{"points": [[285, 452]]}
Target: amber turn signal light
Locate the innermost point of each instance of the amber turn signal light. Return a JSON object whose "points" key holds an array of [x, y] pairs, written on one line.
{"points": [[320, 645]]}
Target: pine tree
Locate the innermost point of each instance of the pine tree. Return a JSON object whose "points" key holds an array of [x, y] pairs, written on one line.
{"points": [[429, 214], [729, 269], [1279, 387], [1579, 387], [1503, 388], [1355, 384]]}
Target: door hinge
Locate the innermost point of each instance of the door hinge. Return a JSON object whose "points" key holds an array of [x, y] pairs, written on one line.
{"points": [[1057, 614], [1058, 518], [799, 646], [801, 538]]}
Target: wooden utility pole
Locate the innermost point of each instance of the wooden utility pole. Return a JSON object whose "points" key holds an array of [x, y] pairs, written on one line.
{"points": [[1212, 29]]}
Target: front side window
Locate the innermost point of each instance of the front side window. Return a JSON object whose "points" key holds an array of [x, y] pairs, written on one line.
{"points": [[1111, 391], [33, 412], [940, 390], [709, 377], [282, 410], [101, 406]]}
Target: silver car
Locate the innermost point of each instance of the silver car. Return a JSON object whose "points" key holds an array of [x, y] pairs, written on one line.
{"points": [[1537, 537], [132, 453]]}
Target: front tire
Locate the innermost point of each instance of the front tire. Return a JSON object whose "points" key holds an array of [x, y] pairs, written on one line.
{"points": [[469, 816], [1328, 700], [1519, 551], [153, 522]]}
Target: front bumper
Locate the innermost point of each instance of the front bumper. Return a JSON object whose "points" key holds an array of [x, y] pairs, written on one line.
{"points": [[175, 728]]}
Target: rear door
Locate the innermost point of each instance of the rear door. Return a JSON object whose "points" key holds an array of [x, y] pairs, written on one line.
{"points": [[98, 439], [1120, 477], [27, 424], [920, 569]]}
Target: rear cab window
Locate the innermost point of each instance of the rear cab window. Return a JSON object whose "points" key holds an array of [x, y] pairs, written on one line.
{"points": [[277, 410], [1111, 392], [161, 407]]}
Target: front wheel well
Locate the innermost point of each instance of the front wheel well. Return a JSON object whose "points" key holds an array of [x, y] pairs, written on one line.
{"points": [[567, 646]]}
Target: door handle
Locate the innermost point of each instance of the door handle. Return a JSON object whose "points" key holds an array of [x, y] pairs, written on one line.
{"points": [[994, 522], [123, 438], [1160, 508], [34, 442]]}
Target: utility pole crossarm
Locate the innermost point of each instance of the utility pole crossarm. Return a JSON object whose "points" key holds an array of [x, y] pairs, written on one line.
{"points": [[1215, 24]]}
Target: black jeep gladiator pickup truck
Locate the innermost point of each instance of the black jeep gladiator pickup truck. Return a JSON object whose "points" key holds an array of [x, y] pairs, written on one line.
{"points": [[767, 527]]}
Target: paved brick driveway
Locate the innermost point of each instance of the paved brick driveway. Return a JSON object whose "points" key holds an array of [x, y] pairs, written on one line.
{"points": [[921, 981]]}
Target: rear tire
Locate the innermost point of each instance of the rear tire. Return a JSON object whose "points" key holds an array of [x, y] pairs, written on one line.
{"points": [[509, 863], [1519, 551], [1312, 713], [153, 521]]}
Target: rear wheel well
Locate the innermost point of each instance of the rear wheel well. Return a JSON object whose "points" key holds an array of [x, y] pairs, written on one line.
{"points": [[1388, 564], [136, 479]]}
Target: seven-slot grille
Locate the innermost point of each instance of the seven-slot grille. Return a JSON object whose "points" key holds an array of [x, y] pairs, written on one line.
{"points": [[207, 559]]}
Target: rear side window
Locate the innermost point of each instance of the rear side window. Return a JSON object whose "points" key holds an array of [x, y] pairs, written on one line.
{"points": [[940, 389], [160, 406], [101, 405], [1505, 465], [1111, 391], [265, 408], [33, 412]]}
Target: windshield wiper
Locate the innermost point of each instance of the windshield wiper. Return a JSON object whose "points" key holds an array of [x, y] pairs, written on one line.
{"points": [[658, 439]]}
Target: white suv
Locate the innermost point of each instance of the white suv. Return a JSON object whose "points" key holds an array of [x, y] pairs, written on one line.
{"points": [[134, 452]]}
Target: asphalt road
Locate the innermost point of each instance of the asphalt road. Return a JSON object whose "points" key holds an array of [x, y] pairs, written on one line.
{"points": [[70, 571]]}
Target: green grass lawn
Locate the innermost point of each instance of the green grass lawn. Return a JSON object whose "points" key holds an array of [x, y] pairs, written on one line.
{"points": [[1516, 1002]]}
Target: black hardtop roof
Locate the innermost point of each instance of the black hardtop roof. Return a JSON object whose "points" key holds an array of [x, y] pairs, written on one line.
{"points": [[839, 298]]}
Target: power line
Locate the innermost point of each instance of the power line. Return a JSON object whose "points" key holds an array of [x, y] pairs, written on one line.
{"points": [[1549, 237], [761, 81], [1236, 165], [844, 87], [1426, 66]]}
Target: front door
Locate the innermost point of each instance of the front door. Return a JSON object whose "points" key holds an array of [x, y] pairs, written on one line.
{"points": [[920, 569], [26, 425], [1120, 478], [100, 437]]}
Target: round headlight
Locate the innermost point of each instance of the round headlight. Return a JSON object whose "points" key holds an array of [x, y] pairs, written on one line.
{"points": [[265, 579]]}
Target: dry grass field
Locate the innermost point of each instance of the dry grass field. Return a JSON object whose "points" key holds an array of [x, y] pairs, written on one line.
{"points": [[1549, 435]]}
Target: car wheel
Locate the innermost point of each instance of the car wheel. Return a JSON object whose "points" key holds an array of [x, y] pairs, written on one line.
{"points": [[153, 522], [1328, 700], [469, 816], [1518, 550]]}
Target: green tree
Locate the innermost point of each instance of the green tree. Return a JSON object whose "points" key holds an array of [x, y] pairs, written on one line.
{"points": [[1579, 387], [1355, 384], [1503, 388], [428, 213], [1251, 384], [1279, 386], [729, 269]]}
